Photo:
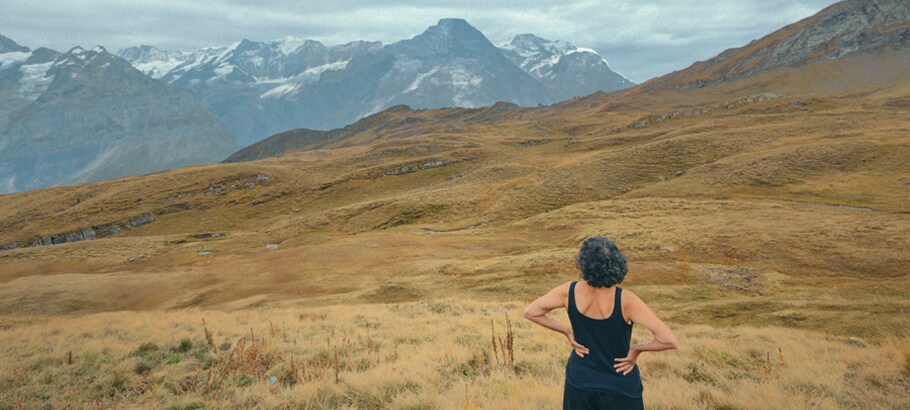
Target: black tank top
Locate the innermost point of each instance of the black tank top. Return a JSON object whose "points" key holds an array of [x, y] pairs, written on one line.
{"points": [[606, 339]]}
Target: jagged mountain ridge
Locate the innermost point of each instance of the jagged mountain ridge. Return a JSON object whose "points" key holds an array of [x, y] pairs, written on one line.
{"points": [[7, 45], [87, 115], [566, 69], [450, 64], [844, 28]]}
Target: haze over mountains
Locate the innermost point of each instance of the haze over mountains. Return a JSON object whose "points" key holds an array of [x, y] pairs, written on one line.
{"points": [[149, 110], [86, 115], [261, 88]]}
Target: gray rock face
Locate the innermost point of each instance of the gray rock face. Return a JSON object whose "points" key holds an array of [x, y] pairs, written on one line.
{"points": [[87, 115], [847, 27], [262, 88]]}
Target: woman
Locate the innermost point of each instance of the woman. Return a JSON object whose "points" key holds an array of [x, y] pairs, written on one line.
{"points": [[601, 372]]}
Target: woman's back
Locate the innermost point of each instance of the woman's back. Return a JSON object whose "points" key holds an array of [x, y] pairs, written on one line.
{"points": [[601, 372], [607, 339]]}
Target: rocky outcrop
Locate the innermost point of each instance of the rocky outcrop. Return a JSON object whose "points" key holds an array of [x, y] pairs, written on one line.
{"points": [[85, 234], [847, 27]]}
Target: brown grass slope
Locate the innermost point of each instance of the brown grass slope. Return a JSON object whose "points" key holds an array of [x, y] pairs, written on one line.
{"points": [[767, 212], [835, 167]]}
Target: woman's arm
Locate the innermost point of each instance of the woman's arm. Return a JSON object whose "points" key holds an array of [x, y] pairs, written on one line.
{"points": [[663, 336], [554, 299]]}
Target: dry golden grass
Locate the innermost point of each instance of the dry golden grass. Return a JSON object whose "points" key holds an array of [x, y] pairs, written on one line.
{"points": [[414, 356], [767, 231]]}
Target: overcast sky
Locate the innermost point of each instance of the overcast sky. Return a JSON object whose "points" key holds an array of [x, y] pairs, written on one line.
{"points": [[639, 38]]}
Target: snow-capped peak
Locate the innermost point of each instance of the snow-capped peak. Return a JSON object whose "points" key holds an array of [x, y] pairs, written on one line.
{"points": [[290, 44], [537, 55], [530, 45]]}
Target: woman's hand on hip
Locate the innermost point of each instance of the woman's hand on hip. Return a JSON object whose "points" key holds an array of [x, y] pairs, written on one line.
{"points": [[626, 364], [579, 349]]}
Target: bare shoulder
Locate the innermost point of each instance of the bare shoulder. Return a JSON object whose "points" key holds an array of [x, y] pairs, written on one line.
{"points": [[630, 299], [562, 292], [628, 294]]}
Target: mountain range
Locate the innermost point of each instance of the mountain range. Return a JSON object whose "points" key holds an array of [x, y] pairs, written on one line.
{"points": [[261, 88], [85, 115], [857, 45]]}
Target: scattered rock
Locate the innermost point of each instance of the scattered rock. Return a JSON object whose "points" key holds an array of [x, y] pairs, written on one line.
{"points": [[669, 249], [88, 234], [272, 246], [680, 173], [407, 169], [742, 279], [175, 208], [9, 246], [433, 163], [207, 235], [139, 220], [133, 258], [661, 178], [203, 253], [855, 340]]}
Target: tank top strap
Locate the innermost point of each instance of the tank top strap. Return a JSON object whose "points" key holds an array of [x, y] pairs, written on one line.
{"points": [[617, 305], [572, 306]]}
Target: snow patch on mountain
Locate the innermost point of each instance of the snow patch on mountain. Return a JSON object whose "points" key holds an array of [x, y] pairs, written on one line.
{"points": [[282, 91], [13, 58], [537, 55], [290, 44], [34, 80], [419, 80]]}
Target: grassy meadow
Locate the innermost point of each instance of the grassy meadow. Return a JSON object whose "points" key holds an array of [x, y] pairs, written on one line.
{"points": [[771, 232], [419, 355]]}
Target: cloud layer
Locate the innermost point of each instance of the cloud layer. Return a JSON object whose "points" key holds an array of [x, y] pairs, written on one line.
{"points": [[640, 38]]}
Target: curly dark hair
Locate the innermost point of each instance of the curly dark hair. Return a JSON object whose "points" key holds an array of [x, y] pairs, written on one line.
{"points": [[601, 263]]}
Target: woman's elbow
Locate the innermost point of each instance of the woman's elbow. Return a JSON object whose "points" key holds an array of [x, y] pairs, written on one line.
{"points": [[528, 313], [668, 340]]}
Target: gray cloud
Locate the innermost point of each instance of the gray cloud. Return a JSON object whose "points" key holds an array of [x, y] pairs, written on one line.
{"points": [[640, 38]]}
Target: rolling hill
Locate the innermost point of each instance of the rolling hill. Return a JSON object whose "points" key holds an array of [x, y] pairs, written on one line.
{"points": [[764, 213]]}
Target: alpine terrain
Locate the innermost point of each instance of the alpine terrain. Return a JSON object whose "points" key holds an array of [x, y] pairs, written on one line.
{"points": [[762, 198]]}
